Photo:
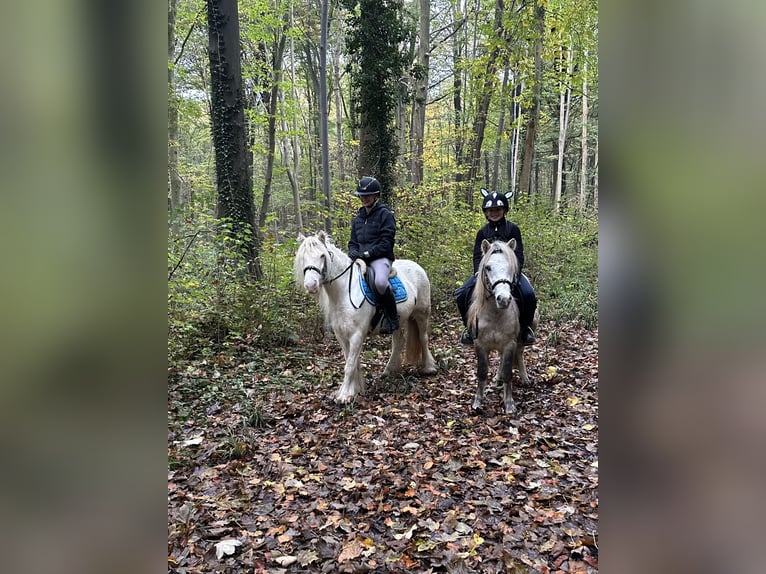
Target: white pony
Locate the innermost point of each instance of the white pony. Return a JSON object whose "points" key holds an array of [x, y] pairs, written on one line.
{"points": [[493, 317], [329, 274]]}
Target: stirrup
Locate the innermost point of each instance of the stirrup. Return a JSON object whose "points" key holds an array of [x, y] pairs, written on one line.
{"points": [[527, 337]]}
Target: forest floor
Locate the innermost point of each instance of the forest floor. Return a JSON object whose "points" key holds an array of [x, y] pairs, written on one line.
{"points": [[266, 474]]}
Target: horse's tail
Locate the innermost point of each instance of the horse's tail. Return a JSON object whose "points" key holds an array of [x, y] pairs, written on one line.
{"points": [[413, 351]]}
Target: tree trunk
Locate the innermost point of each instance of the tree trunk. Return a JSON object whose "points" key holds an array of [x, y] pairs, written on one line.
{"points": [[174, 177], [324, 140], [584, 137], [233, 175], [489, 84], [525, 178], [516, 137], [565, 96], [595, 178], [279, 51], [339, 109], [458, 47], [421, 93], [500, 129], [293, 161]]}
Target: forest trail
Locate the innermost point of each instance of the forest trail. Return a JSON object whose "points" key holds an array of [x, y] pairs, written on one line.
{"points": [[267, 474]]}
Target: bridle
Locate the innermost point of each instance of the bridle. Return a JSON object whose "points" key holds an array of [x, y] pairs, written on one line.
{"points": [[323, 272], [490, 287]]}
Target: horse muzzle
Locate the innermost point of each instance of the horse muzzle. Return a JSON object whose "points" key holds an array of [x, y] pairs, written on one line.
{"points": [[503, 300]]}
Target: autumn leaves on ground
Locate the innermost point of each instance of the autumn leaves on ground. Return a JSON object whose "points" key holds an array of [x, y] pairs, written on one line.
{"points": [[266, 474]]}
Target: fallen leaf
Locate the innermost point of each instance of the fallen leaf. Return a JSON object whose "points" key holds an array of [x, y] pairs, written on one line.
{"points": [[350, 551]]}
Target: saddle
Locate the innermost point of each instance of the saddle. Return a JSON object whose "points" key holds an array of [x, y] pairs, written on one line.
{"points": [[397, 288]]}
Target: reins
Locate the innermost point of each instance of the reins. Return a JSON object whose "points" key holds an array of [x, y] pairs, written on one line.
{"points": [[323, 272]]}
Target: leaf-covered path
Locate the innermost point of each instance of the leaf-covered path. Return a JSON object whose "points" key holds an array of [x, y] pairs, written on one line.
{"points": [[267, 474]]}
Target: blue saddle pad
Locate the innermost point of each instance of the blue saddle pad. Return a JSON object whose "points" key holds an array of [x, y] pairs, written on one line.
{"points": [[397, 288]]}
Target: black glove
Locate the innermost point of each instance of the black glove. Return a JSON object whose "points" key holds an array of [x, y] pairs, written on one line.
{"points": [[354, 254]]}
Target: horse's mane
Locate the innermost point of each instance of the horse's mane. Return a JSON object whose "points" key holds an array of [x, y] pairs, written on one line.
{"points": [[480, 295]]}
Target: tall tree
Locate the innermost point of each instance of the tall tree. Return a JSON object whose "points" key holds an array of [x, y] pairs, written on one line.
{"points": [[584, 137], [565, 97], [174, 177], [276, 65], [421, 92], [233, 172], [377, 66], [487, 86], [525, 178], [324, 137]]}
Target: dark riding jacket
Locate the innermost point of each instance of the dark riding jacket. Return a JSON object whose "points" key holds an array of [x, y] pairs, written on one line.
{"points": [[372, 235], [503, 230]]}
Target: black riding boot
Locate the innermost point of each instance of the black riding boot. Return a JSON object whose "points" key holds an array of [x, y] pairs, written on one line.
{"points": [[527, 303], [391, 321], [526, 336], [463, 296]]}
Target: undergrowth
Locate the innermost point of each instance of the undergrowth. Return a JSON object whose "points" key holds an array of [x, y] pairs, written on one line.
{"points": [[216, 310]]}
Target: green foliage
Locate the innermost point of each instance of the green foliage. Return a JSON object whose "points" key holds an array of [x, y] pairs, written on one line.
{"points": [[213, 305], [561, 253], [215, 308]]}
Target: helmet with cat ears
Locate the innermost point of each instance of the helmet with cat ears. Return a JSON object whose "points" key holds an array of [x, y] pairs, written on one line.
{"points": [[495, 199]]}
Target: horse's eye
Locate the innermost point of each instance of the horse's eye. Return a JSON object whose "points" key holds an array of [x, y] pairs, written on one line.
{"points": [[489, 268]]}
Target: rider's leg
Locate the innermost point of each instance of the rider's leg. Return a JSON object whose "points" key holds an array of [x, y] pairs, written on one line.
{"points": [[385, 296], [527, 306], [463, 298]]}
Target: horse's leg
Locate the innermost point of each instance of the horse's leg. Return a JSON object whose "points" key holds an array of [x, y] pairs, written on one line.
{"points": [[353, 382], [419, 338], [521, 366], [482, 368], [506, 375], [394, 365]]}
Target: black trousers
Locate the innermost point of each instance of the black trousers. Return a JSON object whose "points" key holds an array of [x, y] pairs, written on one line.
{"points": [[523, 292]]}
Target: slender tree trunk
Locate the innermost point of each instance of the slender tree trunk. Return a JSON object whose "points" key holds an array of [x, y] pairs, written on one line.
{"points": [[584, 137], [279, 51], [233, 175], [174, 177], [459, 43], [489, 84], [339, 108], [525, 178], [565, 96], [293, 161], [500, 129], [595, 178], [324, 140], [312, 123], [421, 93], [515, 139]]}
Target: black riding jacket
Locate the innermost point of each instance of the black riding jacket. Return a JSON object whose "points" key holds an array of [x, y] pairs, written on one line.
{"points": [[503, 230], [373, 233]]}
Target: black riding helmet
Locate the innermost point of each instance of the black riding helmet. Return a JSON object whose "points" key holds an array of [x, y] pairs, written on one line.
{"points": [[495, 199], [368, 186]]}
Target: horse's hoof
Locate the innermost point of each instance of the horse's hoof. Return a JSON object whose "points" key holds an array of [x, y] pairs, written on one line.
{"points": [[477, 405], [510, 410]]}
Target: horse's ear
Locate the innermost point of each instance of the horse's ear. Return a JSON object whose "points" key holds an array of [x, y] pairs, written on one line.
{"points": [[322, 237], [485, 245], [509, 195], [512, 243], [484, 192], [301, 237]]}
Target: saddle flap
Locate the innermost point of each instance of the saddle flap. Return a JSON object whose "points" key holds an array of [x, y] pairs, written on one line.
{"points": [[397, 288]]}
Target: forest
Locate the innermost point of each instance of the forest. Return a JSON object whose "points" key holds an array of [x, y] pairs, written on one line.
{"points": [[276, 109]]}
